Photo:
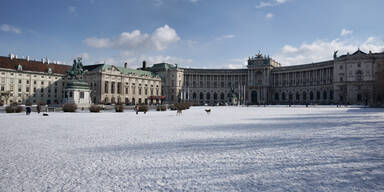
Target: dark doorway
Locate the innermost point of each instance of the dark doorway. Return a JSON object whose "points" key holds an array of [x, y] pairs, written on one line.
{"points": [[254, 97]]}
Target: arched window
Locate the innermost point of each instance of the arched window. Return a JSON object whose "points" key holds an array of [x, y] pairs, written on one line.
{"points": [[194, 96], [304, 96], [222, 96], [297, 96], [283, 96], [331, 95], [208, 96], [290, 96], [276, 96], [318, 95], [201, 96], [215, 96]]}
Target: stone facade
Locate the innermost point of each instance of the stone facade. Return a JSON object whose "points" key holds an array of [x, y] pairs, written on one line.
{"points": [[111, 84], [26, 81], [356, 78], [348, 79]]}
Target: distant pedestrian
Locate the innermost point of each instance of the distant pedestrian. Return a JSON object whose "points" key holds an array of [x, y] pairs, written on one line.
{"points": [[38, 109], [137, 109], [28, 110]]}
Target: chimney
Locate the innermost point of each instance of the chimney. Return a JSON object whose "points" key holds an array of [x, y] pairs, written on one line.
{"points": [[125, 65], [144, 65]]}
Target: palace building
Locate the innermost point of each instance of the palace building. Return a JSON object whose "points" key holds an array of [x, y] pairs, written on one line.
{"points": [[347, 79]]}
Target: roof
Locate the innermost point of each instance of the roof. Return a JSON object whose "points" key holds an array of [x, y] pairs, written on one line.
{"points": [[163, 66], [123, 70], [35, 66], [135, 71]]}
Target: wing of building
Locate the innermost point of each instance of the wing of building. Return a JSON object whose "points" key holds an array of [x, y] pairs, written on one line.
{"points": [[23, 80], [356, 78]]}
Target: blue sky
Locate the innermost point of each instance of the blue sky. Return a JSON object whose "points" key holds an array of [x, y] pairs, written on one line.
{"points": [[192, 33]]}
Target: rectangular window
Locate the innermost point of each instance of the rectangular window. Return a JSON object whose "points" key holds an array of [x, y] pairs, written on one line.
{"points": [[112, 87], [19, 81], [106, 87], [81, 95], [118, 88]]}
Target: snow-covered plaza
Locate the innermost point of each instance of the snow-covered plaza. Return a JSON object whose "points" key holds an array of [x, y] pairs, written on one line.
{"points": [[231, 149]]}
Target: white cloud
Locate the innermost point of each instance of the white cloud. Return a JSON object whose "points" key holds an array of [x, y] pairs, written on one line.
{"points": [[10, 28], [320, 50], [345, 32], [158, 2], [97, 42], [269, 15], [234, 66], [229, 36], [270, 3], [135, 60], [160, 39], [84, 56], [72, 9], [239, 63], [168, 59], [163, 36]]}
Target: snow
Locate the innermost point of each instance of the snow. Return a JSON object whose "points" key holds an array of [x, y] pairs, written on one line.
{"points": [[231, 149]]}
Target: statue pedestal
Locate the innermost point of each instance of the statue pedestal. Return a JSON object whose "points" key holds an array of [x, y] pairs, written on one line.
{"points": [[77, 92]]}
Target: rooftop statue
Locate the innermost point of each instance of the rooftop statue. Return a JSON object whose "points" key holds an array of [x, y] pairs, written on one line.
{"points": [[77, 69], [259, 55], [335, 54]]}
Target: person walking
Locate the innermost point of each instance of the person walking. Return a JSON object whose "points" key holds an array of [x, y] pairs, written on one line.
{"points": [[28, 110], [38, 109]]}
